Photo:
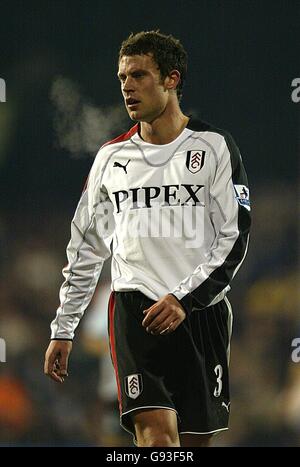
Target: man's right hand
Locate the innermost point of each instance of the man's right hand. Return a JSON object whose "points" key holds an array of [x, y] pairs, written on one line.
{"points": [[56, 359]]}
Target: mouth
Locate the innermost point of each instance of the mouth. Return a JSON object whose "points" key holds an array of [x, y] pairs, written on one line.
{"points": [[132, 103]]}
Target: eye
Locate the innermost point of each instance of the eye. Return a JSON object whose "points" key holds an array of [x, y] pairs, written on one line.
{"points": [[137, 74]]}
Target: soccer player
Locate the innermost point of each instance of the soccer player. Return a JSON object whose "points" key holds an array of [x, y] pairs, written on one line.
{"points": [[172, 196]]}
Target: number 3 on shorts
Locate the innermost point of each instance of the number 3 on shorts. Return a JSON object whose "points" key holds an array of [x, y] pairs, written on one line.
{"points": [[219, 373]]}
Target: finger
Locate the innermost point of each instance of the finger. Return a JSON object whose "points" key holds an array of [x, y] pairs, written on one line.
{"points": [[167, 315], [62, 365], [49, 363], [53, 375], [149, 309], [62, 372], [162, 326], [164, 331], [159, 321], [169, 327], [172, 327], [157, 305], [152, 312]]}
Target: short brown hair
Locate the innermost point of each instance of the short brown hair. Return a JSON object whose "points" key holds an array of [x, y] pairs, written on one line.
{"points": [[168, 53]]}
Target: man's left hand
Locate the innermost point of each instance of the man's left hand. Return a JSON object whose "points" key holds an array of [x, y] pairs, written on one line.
{"points": [[164, 316]]}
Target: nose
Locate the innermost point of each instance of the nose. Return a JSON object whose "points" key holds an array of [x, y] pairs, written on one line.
{"points": [[127, 85]]}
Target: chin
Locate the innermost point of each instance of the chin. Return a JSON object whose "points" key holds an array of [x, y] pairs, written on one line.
{"points": [[136, 116]]}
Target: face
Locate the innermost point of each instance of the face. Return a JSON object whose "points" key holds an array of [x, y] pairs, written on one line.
{"points": [[145, 93]]}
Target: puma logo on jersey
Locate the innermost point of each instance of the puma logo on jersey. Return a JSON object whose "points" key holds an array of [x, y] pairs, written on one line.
{"points": [[168, 195], [226, 406], [118, 164]]}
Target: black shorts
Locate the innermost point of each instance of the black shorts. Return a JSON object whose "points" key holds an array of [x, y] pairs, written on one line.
{"points": [[185, 371]]}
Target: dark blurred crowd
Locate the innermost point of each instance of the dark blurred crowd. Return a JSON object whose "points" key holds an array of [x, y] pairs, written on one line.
{"points": [[265, 382]]}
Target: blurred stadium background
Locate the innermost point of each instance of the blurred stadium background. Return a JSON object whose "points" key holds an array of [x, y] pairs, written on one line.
{"points": [[58, 59]]}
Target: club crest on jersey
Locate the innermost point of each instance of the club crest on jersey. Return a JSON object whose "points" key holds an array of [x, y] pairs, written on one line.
{"points": [[133, 385], [195, 160]]}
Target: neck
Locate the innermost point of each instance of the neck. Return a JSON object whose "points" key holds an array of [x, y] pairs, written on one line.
{"points": [[164, 128]]}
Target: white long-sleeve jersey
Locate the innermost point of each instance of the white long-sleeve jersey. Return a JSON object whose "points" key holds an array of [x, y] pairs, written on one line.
{"points": [[178, 217]]}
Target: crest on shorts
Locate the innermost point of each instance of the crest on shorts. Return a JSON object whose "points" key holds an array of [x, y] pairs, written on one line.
{"points": [[195, 160], [133, 385]]}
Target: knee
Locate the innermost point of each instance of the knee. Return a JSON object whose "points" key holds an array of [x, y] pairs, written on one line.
{"points": [[151, 437], [156, 427], [193, 441]]}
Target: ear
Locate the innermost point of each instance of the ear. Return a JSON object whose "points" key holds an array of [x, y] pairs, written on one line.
{"points": [[172, 80]]}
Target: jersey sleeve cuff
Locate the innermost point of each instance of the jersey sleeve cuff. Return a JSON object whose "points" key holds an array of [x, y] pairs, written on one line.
{"points": [[61, 339]]}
